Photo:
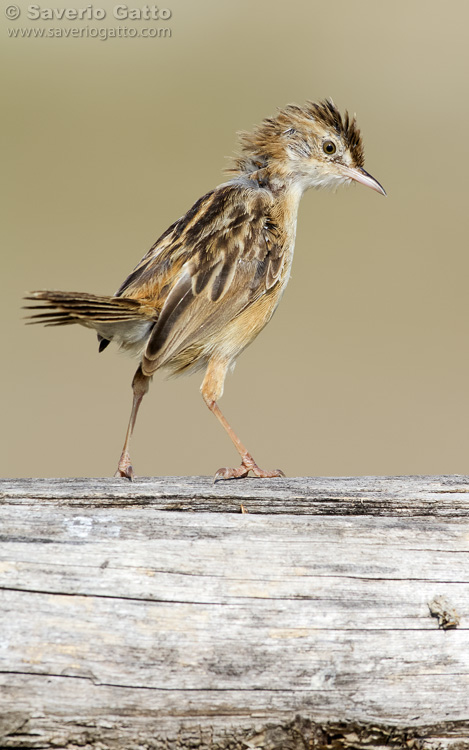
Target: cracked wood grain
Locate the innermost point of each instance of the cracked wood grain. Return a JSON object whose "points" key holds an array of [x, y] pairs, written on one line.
{"points": [[155, 614]]}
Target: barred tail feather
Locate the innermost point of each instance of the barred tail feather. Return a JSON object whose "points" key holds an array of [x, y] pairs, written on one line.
{"points": [[79, 307], [125, 320]]}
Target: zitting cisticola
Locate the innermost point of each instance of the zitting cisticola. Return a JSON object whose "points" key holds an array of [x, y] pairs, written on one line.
{"points": [[213, 280]]}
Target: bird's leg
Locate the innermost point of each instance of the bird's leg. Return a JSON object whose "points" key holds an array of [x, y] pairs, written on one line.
{"points": [[212, 390], [140, 385]]}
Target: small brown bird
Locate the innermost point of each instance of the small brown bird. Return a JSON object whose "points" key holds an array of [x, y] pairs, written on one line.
{"points": [[213, 280]]}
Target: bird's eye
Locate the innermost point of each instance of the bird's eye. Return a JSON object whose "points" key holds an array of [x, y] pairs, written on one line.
{"points": [[329, 147]]}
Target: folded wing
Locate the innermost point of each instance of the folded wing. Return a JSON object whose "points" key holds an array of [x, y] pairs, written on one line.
{"points": [[228, 255]]}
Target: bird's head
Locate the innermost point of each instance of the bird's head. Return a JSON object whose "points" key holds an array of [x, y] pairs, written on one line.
{"points": [[310, 146]]}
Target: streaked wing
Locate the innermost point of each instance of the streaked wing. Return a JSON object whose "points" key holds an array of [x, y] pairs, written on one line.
{"points": [[216, 260]]}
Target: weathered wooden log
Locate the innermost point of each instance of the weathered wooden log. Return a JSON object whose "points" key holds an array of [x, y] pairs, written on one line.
{"points": [[154, 614]]}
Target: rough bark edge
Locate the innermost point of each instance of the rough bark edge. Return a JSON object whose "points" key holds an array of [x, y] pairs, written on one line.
{"points": [[300, 733]]}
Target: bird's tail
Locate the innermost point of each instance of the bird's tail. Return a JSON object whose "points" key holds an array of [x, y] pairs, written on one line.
{"points": [[126, 320], [64, 308]]}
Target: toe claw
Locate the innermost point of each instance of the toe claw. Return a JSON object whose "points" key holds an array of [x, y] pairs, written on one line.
{"points": [[125, 470], [226, 473], [124, 467], [242, 471], [262, 473]]}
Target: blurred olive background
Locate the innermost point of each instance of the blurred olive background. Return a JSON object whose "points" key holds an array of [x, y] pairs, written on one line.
{"points": [[365, 366]]}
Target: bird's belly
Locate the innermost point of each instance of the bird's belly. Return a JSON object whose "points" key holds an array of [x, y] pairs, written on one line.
{"points": [[242, 331]]}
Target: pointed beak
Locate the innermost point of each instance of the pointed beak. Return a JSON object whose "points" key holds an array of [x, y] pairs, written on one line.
{"points": [[360, 175]]}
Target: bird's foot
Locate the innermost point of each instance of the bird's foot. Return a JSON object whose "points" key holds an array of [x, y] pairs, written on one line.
{"points": [[248, 464], [125, 468]]}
